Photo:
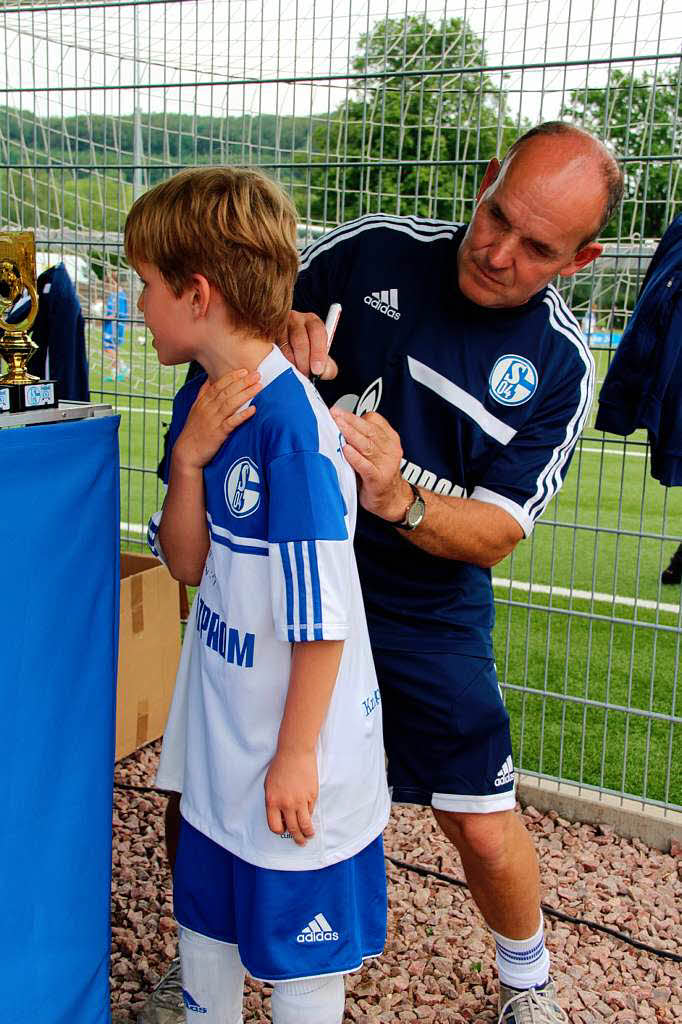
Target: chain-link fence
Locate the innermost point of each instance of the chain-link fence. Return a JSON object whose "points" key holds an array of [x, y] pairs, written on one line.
{"points": [[357, 107]]}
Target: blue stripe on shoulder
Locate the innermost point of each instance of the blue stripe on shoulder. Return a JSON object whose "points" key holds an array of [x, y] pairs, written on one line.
{"points": [[242, 549], [288, 421]]}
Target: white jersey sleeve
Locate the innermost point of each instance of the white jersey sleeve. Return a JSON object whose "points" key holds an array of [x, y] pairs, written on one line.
{"points": [[310, 549]]}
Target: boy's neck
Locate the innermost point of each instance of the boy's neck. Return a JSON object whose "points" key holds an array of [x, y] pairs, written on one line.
{"points": [[233, 352]]}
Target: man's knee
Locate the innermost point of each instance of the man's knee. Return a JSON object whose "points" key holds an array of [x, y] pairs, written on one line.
{"points": [[485, 836]]}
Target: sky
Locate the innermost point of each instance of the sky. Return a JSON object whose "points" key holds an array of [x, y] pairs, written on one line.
{"points": [[89, 55]]}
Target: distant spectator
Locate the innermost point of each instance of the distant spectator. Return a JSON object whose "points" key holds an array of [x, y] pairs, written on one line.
{"points": [[589, 321], [113, 326]]}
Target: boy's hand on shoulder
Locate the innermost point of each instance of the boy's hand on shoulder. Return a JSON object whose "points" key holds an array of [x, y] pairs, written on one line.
{"points": [[215, 414], [291, 788]]}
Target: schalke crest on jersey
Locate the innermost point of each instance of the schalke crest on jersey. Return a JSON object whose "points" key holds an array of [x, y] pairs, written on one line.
{"points": [[513, 380], [242, 487]]}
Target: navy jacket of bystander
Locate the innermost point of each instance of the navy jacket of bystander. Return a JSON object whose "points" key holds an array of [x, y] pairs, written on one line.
{"points": [[643, 387]]}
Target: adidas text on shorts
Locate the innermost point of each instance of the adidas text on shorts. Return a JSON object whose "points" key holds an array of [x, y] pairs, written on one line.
{"points": [[287, 925]]}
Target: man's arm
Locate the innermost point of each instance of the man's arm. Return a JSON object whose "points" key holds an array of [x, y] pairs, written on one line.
{"points": [[457, 528], [517, 485], [291, 784], [464, 529]]}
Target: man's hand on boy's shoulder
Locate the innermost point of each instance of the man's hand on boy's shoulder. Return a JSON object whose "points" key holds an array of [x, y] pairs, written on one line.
{"points": [[291, 790], [216, 412], [306, 346]]}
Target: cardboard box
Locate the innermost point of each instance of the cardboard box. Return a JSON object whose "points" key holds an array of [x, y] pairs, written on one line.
{"points": [[148, 651]]}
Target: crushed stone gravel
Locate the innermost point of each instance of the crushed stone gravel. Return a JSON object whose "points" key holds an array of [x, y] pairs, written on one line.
{"points": [[438, 965]]}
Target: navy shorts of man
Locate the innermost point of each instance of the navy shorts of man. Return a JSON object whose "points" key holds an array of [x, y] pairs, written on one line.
{"points": [[462, 385]]}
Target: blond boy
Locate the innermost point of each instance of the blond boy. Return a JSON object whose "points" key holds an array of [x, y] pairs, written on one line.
{"points": [[274, 737]]}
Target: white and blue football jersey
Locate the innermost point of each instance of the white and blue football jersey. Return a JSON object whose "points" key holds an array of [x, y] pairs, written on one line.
{"points": [[488, 403], [281, 507]]}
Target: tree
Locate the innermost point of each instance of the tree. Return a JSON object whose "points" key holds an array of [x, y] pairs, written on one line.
{"points": [[414, 137], [642, 117]]}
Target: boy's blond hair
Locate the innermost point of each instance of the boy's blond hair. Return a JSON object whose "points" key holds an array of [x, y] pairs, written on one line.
{"points": [[232, 225]]}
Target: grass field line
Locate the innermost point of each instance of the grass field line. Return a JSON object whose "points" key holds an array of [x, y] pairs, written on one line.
{"points": [[613, 451], [143, 409], [133, 528], [533, 588], [586, 595]]}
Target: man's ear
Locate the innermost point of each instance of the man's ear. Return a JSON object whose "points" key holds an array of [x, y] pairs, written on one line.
{"points": [[586, 255], [200, 293], [491, 172]]}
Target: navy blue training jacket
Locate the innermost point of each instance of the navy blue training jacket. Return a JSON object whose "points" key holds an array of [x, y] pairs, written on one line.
{"points": [[643, 387], [488, 403]]}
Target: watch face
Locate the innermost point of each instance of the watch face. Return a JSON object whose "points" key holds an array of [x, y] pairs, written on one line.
{"points": [[415, 513]]}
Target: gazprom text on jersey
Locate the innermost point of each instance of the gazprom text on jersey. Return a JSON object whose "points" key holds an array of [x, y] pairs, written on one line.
{"points": [[223, 639]]}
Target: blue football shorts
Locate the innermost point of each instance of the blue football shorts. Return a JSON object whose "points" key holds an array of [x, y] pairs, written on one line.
{"points": [[287, 924], [446, 731]]}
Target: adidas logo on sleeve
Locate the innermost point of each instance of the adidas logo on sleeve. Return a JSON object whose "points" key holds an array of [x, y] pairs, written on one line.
{"points": [[505, 776], [318, 930]]}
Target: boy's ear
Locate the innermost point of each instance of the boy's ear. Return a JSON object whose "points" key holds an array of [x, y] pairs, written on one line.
{"points": [[200, 293]]}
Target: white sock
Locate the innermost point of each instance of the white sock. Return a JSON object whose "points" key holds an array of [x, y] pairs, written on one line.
{"points": [[212, 979], [311, 1001], [523, 963]]}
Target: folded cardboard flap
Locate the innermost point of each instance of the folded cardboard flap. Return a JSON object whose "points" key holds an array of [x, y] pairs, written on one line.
{"points": [[148, 651]]}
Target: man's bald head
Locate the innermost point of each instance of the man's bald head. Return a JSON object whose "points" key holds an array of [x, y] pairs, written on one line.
{"points": [[538, 214], [574, 140]]}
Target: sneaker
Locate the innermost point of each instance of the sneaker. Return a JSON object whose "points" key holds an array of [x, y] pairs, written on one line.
{"points": [[673, 574], [530, 1006]]}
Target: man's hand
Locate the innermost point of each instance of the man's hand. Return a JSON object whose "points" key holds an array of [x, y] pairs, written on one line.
{"points": [[306, 346], [215, 414], [374, 451], [291, 788]]}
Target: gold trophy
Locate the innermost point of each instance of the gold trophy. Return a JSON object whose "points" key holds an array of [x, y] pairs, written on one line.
{"points": [[20, 390]]}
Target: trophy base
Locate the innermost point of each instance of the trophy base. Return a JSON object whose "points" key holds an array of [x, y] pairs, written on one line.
{"points": [[22, 397]]}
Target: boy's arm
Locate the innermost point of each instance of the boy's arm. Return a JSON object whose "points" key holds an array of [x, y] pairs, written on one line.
{"points": [[183, 531], [291, 783], [311, 580], [216, 412]]}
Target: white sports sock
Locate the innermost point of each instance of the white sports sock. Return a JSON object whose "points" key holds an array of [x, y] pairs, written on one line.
{"points": [[311, 1001], [523, 963], [212, 979]]}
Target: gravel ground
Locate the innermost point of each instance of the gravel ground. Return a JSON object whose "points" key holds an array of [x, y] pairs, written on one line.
{"points": [[438, 963]]}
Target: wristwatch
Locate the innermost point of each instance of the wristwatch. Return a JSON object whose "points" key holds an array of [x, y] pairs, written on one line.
{"points": [[414, 513]]}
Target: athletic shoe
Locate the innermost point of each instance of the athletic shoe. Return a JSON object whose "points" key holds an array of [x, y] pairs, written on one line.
{"points": [[530, 1006], [673, 574]]}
